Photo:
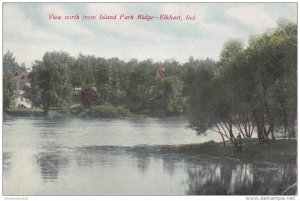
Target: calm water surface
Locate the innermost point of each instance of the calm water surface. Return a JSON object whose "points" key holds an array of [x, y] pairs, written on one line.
{"points": [[97, 157]]}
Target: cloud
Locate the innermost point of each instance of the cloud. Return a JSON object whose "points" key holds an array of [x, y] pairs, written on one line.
{"points": [[17, 23], [28, 32], [105, 8], [133, 30], [184, 9], [253, 16]]}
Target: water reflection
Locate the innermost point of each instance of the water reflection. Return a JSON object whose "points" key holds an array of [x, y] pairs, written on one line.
{"points": [[202, 176], [6, 161], [78, 157], [240, 179], [51, 165], [169, 164], [142, 162], [124, 171]]}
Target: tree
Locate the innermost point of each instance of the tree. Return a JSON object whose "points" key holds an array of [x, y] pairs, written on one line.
{"points": [[50, 84], [83, 69], [102, 80], [138, 85], [239, 78], [213, 101], [166, 96], [232, 48], [116, 81], [273, 57], [10, 65], [8, 92], [188, 72], [252, 87]]}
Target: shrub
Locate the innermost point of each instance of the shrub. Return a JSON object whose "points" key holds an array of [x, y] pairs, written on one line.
{"points": [[107, 110]]}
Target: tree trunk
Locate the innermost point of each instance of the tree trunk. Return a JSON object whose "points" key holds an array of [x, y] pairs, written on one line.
{"points": [[272, 132], [261, 130], [285, 125], [46, 108], [223, 140]]}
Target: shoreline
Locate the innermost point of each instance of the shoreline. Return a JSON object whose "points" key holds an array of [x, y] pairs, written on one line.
{"points": [[82, 114], [279, 151], [274, 151], [252, 150]]}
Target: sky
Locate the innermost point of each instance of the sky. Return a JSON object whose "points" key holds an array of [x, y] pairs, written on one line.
{"points": [[28, 32]]}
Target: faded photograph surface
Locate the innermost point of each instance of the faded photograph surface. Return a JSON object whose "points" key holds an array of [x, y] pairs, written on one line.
{"points": [[149, 99]]}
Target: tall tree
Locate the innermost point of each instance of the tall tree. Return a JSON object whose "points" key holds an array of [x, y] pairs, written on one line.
{"points": [[166, 96], [273, 56], [251, 87], [138, 86], [83, 70], [50, 84], [102, 80], [10, 65], [8, 91]]}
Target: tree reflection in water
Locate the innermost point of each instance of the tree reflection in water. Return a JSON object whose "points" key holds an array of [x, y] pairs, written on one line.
{"points": [[200, 176], [6, 161], [229, 178], [142, 162], [51, 165]]}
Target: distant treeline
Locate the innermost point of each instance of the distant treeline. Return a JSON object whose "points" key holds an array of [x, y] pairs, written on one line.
{"points": [[249, 89]]}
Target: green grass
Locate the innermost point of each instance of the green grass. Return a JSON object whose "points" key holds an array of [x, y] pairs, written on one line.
{"points": [[106, 111], [23, 112], [98, 111], [253, 150]]}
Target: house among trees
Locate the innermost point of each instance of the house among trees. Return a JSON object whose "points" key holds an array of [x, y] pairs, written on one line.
{"points": [[22, 80]]}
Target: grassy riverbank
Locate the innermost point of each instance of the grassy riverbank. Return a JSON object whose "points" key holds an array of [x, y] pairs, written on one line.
{"points": [[23, 112], [253, 150], [99, 111], [102, 111]]}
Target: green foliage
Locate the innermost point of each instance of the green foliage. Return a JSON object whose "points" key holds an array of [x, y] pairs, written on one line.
{"points": [[166, 96], [102, 80], [138, 86], [82, 71], [106, 111], [251, 87], [58, 80], [10, 65], [50, 84], [24, 112], [255, 86], [8, 91], [274, 59], [231, 50], [202, 103]]}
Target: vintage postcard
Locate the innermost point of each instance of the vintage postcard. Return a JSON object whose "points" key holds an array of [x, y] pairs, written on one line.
{"points": [[149, 99]]}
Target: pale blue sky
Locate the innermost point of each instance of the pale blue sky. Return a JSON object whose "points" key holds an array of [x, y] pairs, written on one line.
{"points": [[28, 32]]}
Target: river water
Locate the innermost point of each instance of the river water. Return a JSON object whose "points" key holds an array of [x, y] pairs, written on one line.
{"points": [[97, 157]]}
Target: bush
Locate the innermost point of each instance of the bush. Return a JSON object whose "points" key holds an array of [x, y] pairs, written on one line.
{"points": [[107, 110]]}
